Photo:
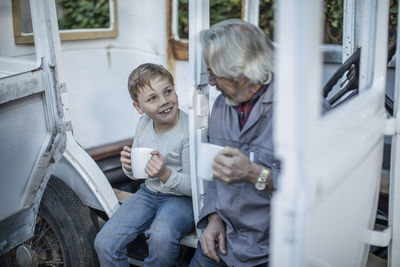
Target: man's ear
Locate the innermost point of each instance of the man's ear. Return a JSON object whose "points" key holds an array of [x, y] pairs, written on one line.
{"points": [[137, 107]]}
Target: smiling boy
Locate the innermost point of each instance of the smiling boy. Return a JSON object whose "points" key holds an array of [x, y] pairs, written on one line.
{"points": [[162, 207]]}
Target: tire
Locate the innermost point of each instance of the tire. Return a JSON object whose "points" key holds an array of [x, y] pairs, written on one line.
{"points": [[71, 222], [64, 231]]}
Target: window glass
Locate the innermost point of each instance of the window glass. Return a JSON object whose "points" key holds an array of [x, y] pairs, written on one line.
{"points": [[225, 9], [83, 14], [79, 19], [219, 10], [333, 17], [266, 19], [394, 7], [333, 21]]}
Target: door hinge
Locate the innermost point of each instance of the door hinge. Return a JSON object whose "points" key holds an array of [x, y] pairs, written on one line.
{"points": [[379, 238]]}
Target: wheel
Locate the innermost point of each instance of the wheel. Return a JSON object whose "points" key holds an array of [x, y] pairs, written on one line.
{"points": [[64, 232]]}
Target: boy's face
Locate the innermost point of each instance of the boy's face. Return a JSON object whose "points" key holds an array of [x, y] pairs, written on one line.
{"points": [[160, 104]]}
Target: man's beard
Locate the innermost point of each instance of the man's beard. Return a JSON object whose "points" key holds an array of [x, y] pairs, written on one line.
{"points": [[229, 101]]}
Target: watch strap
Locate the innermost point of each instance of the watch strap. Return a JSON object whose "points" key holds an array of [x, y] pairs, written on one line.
{"points": [[261, 182]]}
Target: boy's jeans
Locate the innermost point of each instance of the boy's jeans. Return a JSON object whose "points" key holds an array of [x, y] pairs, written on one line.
{"points": [[168, 218]]}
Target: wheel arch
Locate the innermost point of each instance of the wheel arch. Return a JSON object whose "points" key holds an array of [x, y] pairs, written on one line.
{"points": [[71, 176]]}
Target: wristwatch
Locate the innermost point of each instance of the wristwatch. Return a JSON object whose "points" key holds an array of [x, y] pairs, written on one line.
{"points": [[261, 182]]}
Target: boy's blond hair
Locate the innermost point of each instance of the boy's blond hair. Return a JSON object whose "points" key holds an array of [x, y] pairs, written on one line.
{"points": [[142, 77]]}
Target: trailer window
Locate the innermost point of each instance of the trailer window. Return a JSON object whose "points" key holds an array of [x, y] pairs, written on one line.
{"points": [[394, 8], [77, 20], [221, 10], [178, 17], [266, 17]]}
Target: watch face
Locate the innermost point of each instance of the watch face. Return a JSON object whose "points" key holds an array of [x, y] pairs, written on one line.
{"points": [[260, 186]]}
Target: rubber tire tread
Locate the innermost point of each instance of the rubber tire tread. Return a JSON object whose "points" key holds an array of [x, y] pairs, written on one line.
{"points": [[71, 221]]}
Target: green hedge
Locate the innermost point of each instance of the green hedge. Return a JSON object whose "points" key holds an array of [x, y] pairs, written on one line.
{"points": [[394, 7], [84, 14], [266, 19], [333, 17], [219, 11]]}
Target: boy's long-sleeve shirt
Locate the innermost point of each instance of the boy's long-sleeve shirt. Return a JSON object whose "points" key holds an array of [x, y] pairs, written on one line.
{"points": [[174, 148]]}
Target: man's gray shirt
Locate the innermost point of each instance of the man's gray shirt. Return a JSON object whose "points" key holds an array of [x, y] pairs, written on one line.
{"points": [[244, 209]]}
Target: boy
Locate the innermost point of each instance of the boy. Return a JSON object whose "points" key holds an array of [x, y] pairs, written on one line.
{"points": [[162, 207]]}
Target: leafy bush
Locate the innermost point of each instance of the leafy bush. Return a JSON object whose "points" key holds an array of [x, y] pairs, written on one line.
{"points": [[183, 19], [266, 19], [333, 17], [83, 14], [394, 7], [219, 10]]}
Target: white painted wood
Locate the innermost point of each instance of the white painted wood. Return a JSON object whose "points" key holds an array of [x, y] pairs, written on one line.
{"points": [[252, 11], [318, 219], [198, 98], [394, 194], [296, 119], [351, 26]]}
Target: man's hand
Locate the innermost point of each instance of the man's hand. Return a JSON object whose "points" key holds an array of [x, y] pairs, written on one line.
{"points": [[156, 167], [232, 166], [126, 158], [213, 237]]}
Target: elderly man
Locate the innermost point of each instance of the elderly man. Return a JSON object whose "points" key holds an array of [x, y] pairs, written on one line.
{"points": [[236, 213]]}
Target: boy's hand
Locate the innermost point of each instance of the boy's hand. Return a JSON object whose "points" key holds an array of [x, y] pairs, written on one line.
{"points": [[126, 158], [156, 167]]}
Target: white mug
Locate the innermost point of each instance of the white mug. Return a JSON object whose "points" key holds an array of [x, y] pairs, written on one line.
{"points": [[205, 160], [140, 156]]}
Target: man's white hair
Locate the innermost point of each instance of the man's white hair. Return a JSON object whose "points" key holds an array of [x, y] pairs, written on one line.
{"points": [[235, 48]]}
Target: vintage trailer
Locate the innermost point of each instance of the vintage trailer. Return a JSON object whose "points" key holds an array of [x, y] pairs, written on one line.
{"points": [[65, 114]]}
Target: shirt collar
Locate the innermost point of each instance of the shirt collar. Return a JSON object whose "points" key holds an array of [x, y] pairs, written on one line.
{"points": [[268, 96]]}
